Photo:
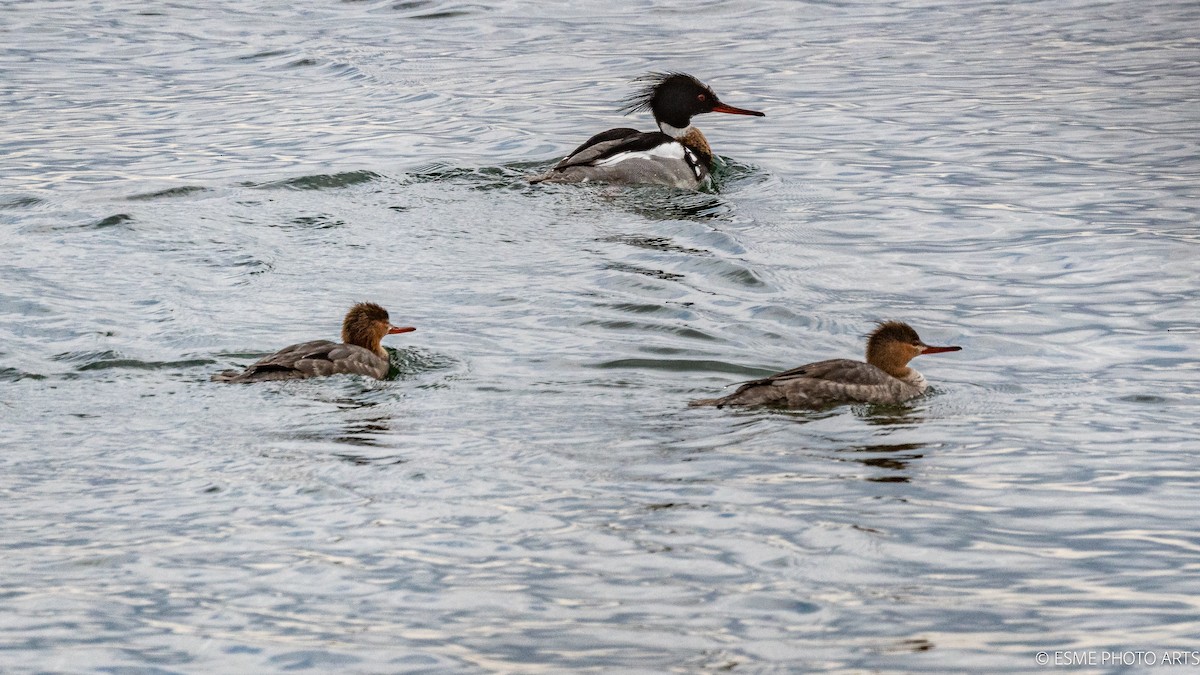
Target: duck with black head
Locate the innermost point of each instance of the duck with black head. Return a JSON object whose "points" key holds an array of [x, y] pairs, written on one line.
{"points": [[360, 352], [885, 378], [677, 155]]}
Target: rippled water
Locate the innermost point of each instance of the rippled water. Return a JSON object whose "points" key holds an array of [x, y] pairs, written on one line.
{"points": [[185, 188]]}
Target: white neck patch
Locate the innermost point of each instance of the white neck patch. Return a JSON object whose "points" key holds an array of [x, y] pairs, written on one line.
{"points": [[674, 132], [916, 379]]}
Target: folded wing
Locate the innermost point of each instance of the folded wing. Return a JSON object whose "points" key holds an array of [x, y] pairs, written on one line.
{"points": [[311, 359], [820, 384]]}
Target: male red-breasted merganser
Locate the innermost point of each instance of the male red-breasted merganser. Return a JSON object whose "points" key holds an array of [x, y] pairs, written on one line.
{"points": [[884, 378], [676, 155], [359, 354]]}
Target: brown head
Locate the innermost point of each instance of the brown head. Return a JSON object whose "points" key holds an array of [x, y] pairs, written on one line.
{"points": [[894, 343], [365, 325]]}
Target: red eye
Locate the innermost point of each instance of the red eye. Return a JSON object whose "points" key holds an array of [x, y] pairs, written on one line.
{"points": [[700, 97]]}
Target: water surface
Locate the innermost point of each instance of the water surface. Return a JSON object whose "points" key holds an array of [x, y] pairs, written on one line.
{"points": [[186, 188]]}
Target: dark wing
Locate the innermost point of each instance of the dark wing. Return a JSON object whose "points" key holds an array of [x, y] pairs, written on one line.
{"points": [[612, 142], [312, 359], [602, 137]]}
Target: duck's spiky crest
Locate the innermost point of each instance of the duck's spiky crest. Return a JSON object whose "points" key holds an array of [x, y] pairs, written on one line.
{"points": [[893, 331], [643, 98]]}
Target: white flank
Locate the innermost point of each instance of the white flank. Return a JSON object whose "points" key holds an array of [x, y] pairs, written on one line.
{"points": [[664, 151], [692, 161]]}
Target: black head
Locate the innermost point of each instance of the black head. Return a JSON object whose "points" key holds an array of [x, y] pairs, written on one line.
{"points": [[674, 98]]}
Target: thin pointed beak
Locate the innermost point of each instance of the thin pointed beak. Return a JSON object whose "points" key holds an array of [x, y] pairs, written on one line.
{"points": [[400, 329], [721, 107], [939, 350]]}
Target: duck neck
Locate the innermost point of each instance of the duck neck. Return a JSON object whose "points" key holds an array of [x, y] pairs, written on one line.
{"points": [[890, 360], [910, 376], [379, 350], [368, 340], [914, 378], [691, 137]]}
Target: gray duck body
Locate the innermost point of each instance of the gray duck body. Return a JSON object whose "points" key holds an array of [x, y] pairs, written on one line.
{"points": [[317, 358], [662, 160], [825, 383]]}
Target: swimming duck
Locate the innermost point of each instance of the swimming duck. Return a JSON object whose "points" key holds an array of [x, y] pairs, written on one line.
{"points": [[677, 155], [360, 352], [884, 378]]}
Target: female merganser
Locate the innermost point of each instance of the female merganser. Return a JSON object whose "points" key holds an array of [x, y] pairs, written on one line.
{"points": [[360, 354], [884, 378], [677, 155]]}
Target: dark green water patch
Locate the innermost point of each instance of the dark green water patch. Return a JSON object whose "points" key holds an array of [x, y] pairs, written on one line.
{"points": [[448, 14], [111, 221], [108, 359], [743, 277], [652, 243], [663, 203], [317, 222], [412, 362], [507, 177], [663, 506], [643, 308], [726, 171], [1150, 399], [245, 264], [658, 274], [85, 357], [681, 331], [20, 202], [181, 191], [420, 11], [264, 55], [364, 460], [14, 375], [683, 365], [135, 364], [320, 181], [242, 355]]}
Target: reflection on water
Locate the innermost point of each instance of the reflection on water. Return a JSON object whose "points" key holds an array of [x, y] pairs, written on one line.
{"points": [[651, 243], [892, 457], [903, 416], [663, 203], [370, 432]]}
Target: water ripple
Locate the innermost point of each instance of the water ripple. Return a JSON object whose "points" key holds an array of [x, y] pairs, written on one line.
{"points": [[191, 186]]}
